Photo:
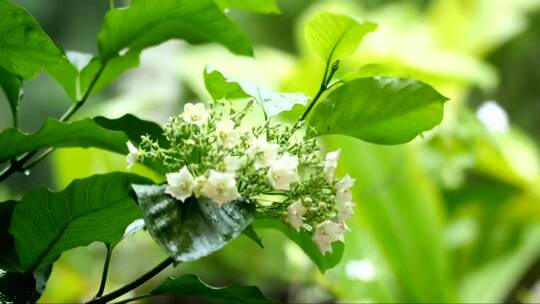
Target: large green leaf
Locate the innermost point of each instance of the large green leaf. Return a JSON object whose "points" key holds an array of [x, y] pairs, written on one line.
{"points": [[335, 36], [108, 134], [193, 229], [79, 69], [304, 240], [259, 6], [95, 209], [190, 285], [25, 49], [12, 87], [273, 103], [150, 22], [379, 110]]}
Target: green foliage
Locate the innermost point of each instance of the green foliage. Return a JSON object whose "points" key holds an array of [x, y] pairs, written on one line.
{"points": [[150, 22], [379, 110], [96, 209], [190, 285], [259, 6], [75, 73], [335, 36], [273, 103], [193, 229], [108, 134], [25, 49], [303, 239], [12, 87]]}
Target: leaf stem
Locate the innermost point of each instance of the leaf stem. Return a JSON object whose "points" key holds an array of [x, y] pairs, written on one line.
{"points": [[105, 271], [138, 282], [18, 165], [327, 77]]}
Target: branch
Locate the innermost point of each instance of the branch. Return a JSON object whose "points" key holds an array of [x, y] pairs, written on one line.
{"points": [[105, 271], [327, 77]]}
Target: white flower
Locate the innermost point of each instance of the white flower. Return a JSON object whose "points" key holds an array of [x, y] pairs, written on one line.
{"points": [[226, 134], [195, 114], [199, 183], [343, 193], [345, 210], [232, 163], [180, 184], [295, 211], [330, 165], [262, 151], [282, 172], [328, 232], [221, 187], [132, 156]]}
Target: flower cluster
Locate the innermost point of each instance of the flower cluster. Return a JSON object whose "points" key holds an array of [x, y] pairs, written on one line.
{"points": [[217, 153]]}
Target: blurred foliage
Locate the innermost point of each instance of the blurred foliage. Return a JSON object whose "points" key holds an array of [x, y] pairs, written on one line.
{"points": [[452, 217]]}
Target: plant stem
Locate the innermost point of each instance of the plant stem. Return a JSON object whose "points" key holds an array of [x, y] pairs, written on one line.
{"points": [[138, 282], [105, 271], [327, 77], [19, 165]]}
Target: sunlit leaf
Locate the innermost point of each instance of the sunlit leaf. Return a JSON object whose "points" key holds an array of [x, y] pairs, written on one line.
{"points": [[146, 23], [190, 285], [193, 229], [335, 36], [98, 208], [379, 110], [304, 240], [259, 6], [25, 49], [12, 87], [100, 132], [273, 102]]}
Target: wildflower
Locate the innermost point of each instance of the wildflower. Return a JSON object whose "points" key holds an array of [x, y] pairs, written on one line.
{"points": [[220, 187], [330, 165], [180, 184], [132, 156], [328, 232], [232, 163], [262, 151], [343, 193], [195, 114], [295, 212], [199, 183], [226, 133], [282, 172], [345, 210]]}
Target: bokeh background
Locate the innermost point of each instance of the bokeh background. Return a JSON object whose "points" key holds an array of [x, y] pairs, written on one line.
{"points": [[453, 216]]}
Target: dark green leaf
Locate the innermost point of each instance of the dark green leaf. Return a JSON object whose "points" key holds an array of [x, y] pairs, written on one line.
{"points": [[12, 87], [259, 6], [150, 22], [194, 229], [303, 239], [25, 49], [379, 110], [190, 285], [95, 209], [335, 36], [108, 134], [8, 257], [18, 287], [252, 234], [76, 74], [273, 103]]}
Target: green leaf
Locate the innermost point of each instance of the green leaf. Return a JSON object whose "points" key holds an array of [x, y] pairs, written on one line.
{"points": [[379, 110], [303, 239], [273, 103], [259, 6], [25, 49], [335, 36], [95, 209], [150, 22], [100, 132], [193, 229], [190, 285], [12, 87], [79, 69], [252, 234]]}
